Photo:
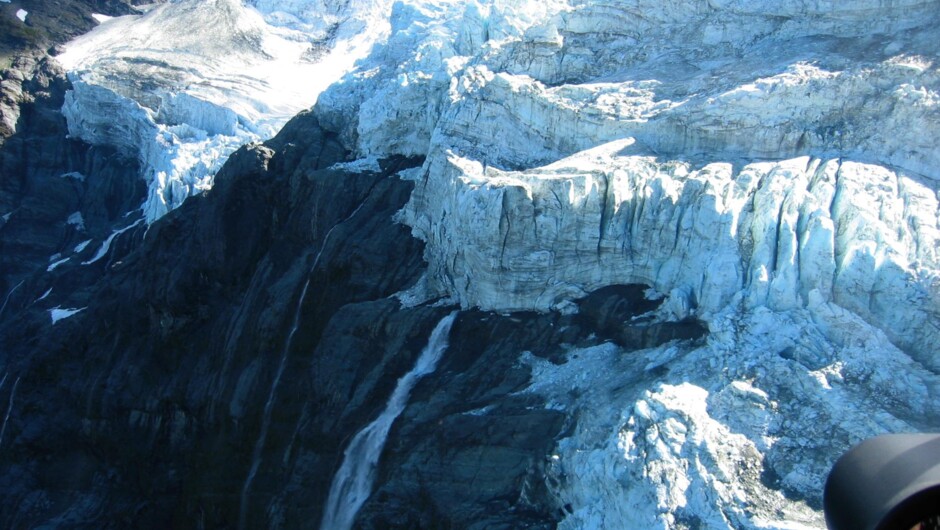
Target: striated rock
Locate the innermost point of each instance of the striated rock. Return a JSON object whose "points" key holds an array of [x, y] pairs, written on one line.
{"points": [[56, 195]]}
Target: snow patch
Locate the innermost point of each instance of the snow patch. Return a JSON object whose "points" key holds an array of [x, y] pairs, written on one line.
{"points": [[58, 314], [76, 220], [54, 265], [21, 14], [82, 246], [74, 175], [103, 251]]}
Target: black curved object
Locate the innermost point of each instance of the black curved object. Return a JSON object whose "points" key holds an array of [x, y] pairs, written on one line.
{"points": [[890, 482]]}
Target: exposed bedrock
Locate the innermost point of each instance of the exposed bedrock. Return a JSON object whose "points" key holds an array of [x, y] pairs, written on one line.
{"points": [[57, 195]]}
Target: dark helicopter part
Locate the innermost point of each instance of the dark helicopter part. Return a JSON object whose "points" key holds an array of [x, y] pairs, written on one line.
{"points": [[890, 482]]}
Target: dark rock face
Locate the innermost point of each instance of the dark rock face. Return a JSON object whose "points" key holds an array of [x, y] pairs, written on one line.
{"points": [[158, 390], [55, 193], [619, 314], [251, 333]]}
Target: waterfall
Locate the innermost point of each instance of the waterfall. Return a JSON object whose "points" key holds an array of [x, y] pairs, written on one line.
{"points": [[7, 299], [256, 454], [352, 484], [268, 409], [6, 418]]}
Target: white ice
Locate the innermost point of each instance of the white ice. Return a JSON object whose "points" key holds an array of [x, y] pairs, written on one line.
{"points": [[183, 101]]}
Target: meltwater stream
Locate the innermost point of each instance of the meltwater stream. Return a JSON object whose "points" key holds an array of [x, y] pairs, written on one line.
{"points": [[256, 454], [352, 484]]}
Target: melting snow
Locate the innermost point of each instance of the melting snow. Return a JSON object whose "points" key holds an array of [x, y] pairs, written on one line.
{"points": [[107, 243], [55, 264], [76, 220], [58, 314], [74, 175], [82, 246]]}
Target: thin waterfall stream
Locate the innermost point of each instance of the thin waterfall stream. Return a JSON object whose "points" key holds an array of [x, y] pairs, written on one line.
{"points": [[352, 483], [6, 418], [268, 409], [9, 294], [256, 454]]}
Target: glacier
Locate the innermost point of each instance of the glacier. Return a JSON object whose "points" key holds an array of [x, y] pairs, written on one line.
{"points": [[182, 101], [769, 167]]}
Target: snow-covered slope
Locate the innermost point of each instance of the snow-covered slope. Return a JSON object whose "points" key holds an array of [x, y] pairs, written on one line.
{"points": [[185, 84]]}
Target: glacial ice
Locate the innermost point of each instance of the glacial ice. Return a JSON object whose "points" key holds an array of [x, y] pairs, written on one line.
{"points": [[774, 234], [769, 165], [770, 393], [182, 101]]}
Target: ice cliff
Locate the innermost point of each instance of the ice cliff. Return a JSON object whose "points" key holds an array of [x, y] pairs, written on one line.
{"points": [[767, 167]]}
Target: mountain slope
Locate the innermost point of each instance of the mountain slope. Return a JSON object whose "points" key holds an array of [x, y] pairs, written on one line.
{"points": [[693, 247]]}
